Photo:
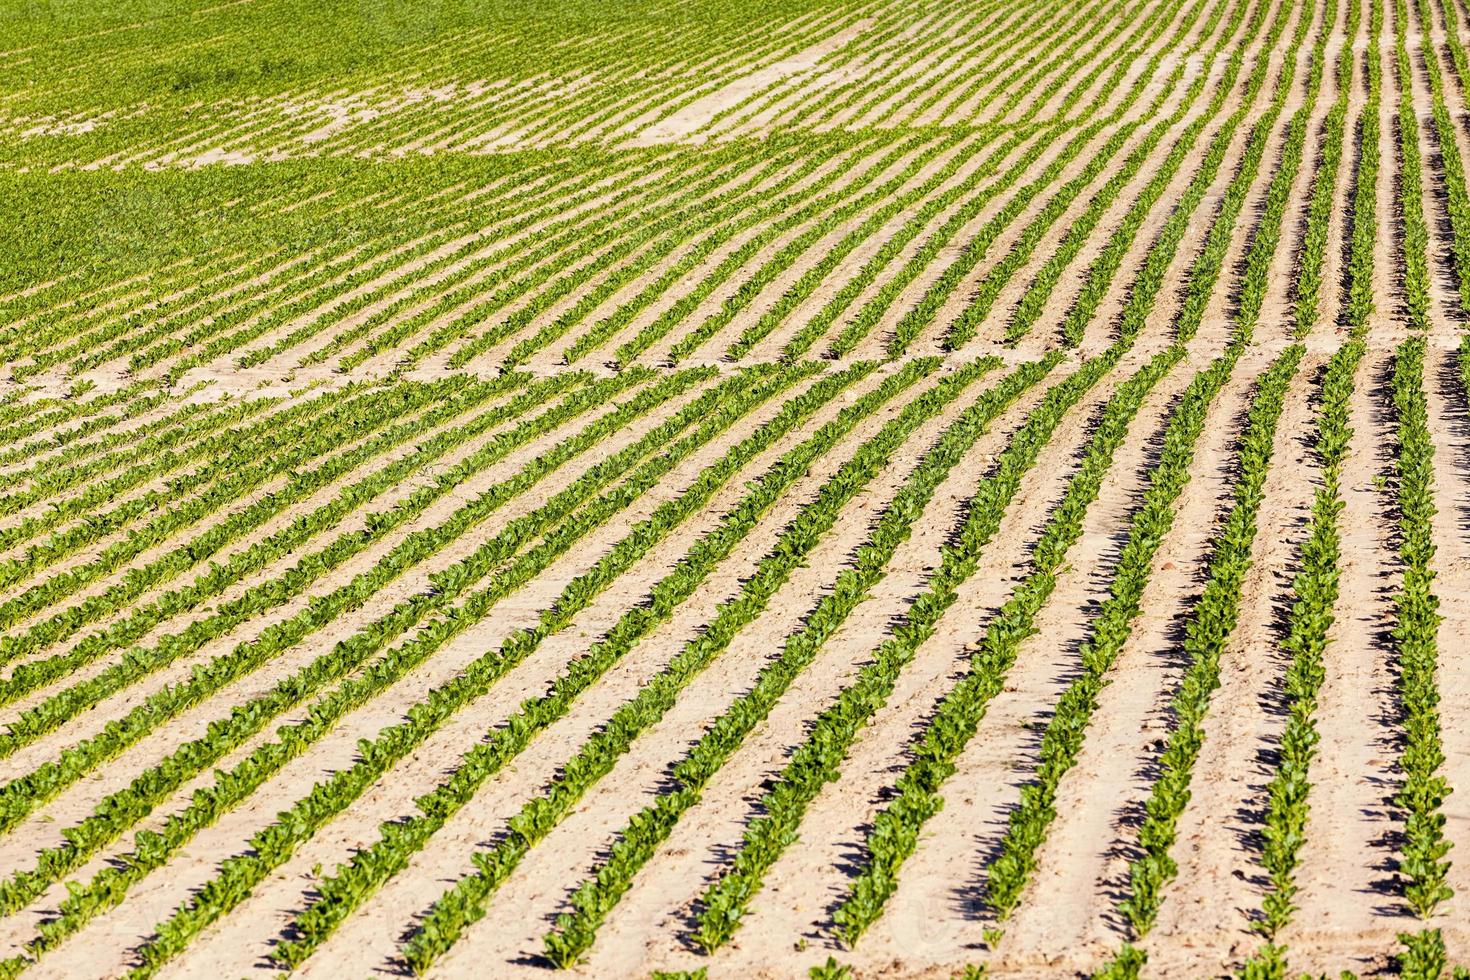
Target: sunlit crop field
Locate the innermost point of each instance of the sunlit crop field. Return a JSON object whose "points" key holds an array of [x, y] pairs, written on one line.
{"points": [[757, 488]]}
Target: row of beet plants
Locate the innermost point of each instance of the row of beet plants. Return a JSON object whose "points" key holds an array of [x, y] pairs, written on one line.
{"points": [[1034, 300], [1311, 262], [1424, 787], [638, 841], [895, 829], [306, 433], [559, 520], [893, 246], [963, 328], [1452, 165], [234, 787], [816, 760], [466, 900], [1359, 303], [1315, 590], [286, 541], [1150, 279], [1410, 184], [841, 200], [1062, 739], [22, 794], [275, 843], [1208, 630]]}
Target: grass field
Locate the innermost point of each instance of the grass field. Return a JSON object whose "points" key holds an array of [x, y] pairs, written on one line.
{"points": [[759, 488]]}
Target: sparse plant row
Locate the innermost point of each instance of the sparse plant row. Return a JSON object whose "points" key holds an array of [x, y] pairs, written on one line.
{"points": [[179, 438], [1415, 639], [827, 210], [1360, 304], [22, 794], [819, 218], [1150, 279], [990, 29], [377, 525], [249, 466], [1315, 591], [551, 206], [963, 328], [543, 260], [1307, 291], [1210, 625], [715, 227], [815, 761], [118, 812], [275, 843], [1080, 228], [729, 191], [935, 243], [1452, 166], [1414, 240], [637, 842], [464, 903], [135, 401], [132, 401], [895, 829], [1010, 871], [252, 441], [725, 901], [873, 311], [617, 253], [1154, 24]]}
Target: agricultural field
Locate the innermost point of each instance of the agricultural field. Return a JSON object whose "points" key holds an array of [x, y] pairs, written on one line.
{"points": [[735, 488]]}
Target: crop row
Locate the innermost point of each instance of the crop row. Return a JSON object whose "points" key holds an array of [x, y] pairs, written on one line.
{"points": [[1415, 640], [449, 583], [465, 901], [275, 843], [20, 795], [262, 554], [638, 840], [895, 829], [1062, 738], [1315, 590], [233, 787], [815, 760]]}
